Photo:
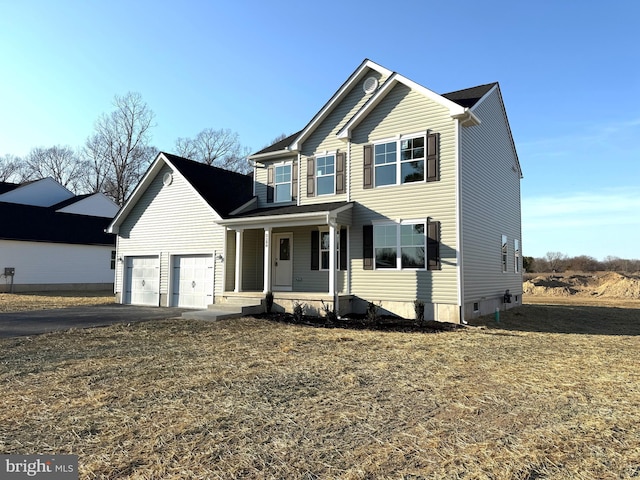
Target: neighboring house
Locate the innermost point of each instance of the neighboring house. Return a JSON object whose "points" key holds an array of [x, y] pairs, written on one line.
{"points": [[51, 239], [390, 194]]}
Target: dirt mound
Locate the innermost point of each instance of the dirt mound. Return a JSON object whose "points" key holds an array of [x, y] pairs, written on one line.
{"points": [[609, 284]]}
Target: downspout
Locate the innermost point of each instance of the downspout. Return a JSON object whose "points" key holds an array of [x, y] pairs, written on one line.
{"points": [[459, 221]]}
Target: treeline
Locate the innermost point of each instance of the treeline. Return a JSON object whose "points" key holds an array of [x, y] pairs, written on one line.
{"points": [[118, 151], [559, 262]]}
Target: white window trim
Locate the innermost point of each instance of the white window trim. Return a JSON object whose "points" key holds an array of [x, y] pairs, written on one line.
{"points": [[333, 183], [398, 224], [516, 255], [504, 253], [320, 249], [398, 163], [290, 182]]}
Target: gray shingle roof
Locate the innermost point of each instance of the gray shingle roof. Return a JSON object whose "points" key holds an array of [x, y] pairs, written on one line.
{"points": [[468, 97]]}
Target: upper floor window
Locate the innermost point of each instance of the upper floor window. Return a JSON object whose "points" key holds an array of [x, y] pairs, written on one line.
{"points": [[406, 160], [282, 181], [325, 175]]}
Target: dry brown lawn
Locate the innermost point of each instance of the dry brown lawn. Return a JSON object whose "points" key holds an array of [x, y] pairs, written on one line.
{"points": [[16, 302], [548, 392]]}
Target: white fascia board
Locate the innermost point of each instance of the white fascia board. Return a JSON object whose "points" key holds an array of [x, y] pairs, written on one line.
{"points": [[287, 220], [152, 171], [337, 97], [455, 110], [270, 155]]}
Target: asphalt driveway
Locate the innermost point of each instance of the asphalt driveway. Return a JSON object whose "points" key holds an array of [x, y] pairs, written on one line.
{"points": [[44, 321]]}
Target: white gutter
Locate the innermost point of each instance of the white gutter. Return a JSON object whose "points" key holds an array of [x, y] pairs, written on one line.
{"points": [[467, 118], [307, 218], [277, 153]]}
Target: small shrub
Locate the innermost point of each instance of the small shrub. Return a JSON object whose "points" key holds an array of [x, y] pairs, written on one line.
{"points": [[373, 313], [298, 311], [330, 314], [418, 306], [268, 301]]}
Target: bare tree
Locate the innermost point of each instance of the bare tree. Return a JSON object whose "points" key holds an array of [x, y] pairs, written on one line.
{"points": [[58, 162], [10, 169], [118, 151], [555, 260], [220, 148]]}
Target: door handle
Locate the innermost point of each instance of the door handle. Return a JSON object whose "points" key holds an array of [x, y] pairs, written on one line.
{"points": [[193, 284]]}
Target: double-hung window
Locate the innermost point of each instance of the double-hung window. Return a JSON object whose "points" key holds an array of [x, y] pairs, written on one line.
{"points": [[325, 175], [516, 255], [325, 249], [400, 161], [504, 254], [282, 181], [399, 246]]}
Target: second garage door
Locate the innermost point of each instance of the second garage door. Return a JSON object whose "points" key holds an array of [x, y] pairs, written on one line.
{"points": [[192, 281]]}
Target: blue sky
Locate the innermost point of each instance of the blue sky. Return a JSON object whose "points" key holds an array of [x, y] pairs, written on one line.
{"points": [[569, 74]]}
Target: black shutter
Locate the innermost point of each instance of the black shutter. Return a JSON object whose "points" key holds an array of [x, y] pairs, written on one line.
{"points": [[343, 249], [311, 177], [270, 184], [368, 166], [294, 181], [315, 250], [340, 172], [433, 246], [367, 247], [433, 157]]}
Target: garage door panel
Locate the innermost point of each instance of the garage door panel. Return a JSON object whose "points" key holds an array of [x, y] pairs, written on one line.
{"points": [[142, 281], [192, 281]]}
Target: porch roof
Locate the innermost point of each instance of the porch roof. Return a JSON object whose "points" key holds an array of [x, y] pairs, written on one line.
{"points": [[290, 215]]}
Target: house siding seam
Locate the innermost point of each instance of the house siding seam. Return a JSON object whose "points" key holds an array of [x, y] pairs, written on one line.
{"points": [[490, 202]]}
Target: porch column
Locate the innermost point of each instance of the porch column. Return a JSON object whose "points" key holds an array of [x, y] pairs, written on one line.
{"points": [[267, 260], [332, 258], [239, 238]]}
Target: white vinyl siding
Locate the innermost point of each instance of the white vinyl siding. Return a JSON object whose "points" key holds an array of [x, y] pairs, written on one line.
{"points": [[170, 220], [490, 203]]}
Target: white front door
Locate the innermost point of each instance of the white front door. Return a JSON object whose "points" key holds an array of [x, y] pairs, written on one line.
{"points": [[192, 281], [282, 261]]}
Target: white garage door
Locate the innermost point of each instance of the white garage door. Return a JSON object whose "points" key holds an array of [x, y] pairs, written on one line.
{"points": [[192, 281], [141, 281]]}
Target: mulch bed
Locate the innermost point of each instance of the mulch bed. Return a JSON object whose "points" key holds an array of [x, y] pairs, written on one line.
{"points": [[386, 323]]}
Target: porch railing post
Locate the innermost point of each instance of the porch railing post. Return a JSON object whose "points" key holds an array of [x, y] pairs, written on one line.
{"points": [[267, 260], [332, 260], [239, 238]]}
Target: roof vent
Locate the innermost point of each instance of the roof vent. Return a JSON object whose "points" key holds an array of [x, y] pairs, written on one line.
{"points": [[370, 85], [167, 178]]}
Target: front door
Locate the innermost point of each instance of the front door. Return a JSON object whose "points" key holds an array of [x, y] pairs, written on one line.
{"points": [[283, 261]]}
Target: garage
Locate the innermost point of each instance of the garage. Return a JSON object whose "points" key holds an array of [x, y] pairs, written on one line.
{"points": [[192, 281], [142, 281]]}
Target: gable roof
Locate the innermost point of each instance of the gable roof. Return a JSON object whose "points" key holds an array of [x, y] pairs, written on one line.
{"points": [[222, 190], [459, 104], [44, 224]]}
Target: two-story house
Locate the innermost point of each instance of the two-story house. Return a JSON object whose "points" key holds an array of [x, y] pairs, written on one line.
{"points": [[390, 194]]}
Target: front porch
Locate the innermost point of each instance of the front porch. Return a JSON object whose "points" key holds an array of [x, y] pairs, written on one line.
{"points": [[299, 254]]}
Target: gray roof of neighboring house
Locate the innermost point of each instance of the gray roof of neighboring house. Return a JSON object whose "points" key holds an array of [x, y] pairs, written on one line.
{"points": [[223, 190], [7, 187], [44, 224]]}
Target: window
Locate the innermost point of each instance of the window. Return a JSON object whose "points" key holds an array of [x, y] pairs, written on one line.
{"points": [[325, 175], [325, 249], [399, 161], [283, 183], [516, 255], [113, 259], [504, 254], [399, 246]]}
